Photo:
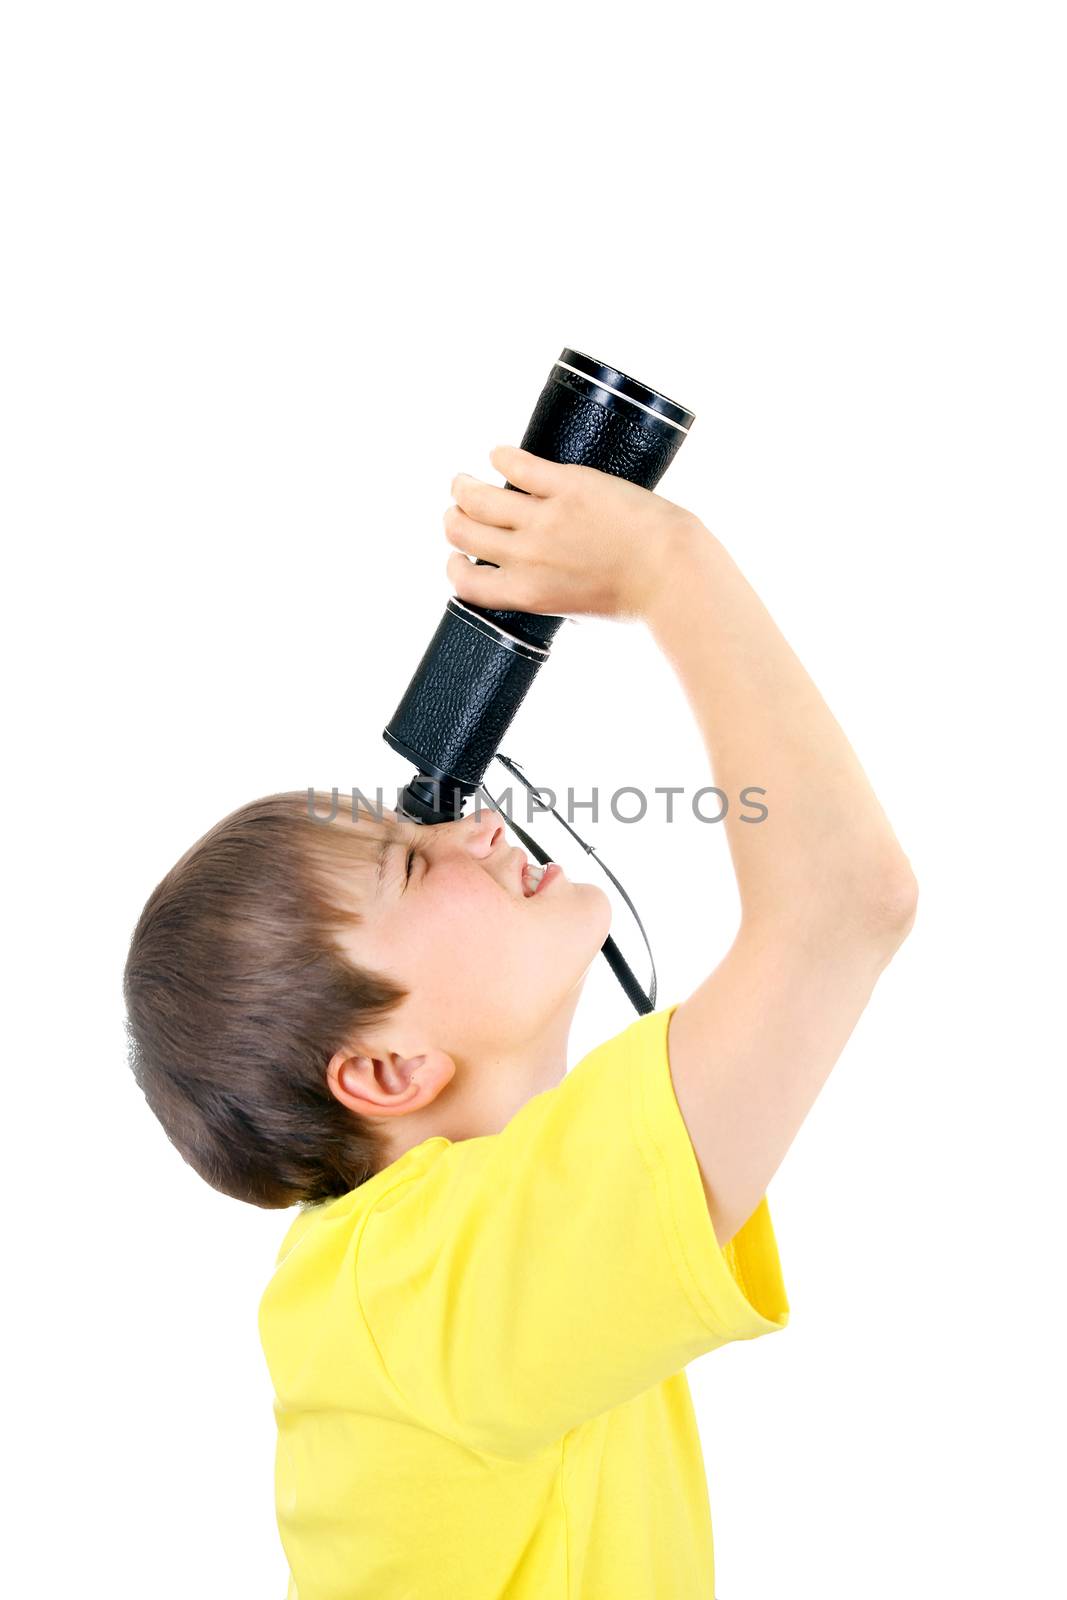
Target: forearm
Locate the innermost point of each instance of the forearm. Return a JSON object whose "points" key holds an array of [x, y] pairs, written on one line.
{"points": [[825, 854]]}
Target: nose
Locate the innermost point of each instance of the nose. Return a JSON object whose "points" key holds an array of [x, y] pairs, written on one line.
{"points": [[480, 833]]}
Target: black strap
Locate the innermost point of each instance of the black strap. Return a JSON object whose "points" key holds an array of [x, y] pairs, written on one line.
{"points": [[643, 1003]]}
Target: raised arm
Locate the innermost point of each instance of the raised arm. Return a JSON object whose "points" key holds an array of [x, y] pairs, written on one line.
{"points": [[827, 893]]}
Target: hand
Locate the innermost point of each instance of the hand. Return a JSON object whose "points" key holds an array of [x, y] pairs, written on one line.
{"points": [[576, 541]]}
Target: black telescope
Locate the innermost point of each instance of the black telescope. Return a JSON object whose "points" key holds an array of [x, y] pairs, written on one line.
{"points": [[480, 663]]}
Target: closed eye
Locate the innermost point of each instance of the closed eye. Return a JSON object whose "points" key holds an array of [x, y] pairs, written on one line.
{"points": [[410, 859]]}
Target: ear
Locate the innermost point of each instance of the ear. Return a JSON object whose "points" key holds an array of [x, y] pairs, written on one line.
{"points": [[387, 1083]]}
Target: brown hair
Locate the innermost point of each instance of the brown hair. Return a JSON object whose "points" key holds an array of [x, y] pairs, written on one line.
{"points": [[237, 995]]}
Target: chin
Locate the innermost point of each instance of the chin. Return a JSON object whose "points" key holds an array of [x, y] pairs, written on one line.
{"points": [[597, 909]]}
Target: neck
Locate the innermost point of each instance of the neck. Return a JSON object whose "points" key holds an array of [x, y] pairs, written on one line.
{"points": [[487, 1091]]}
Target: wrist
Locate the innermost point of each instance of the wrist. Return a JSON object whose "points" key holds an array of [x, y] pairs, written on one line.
{"points": [[684, 548]]}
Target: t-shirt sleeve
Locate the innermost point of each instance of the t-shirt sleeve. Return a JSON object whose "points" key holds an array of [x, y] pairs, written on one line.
{"points": [[524, 1282]]}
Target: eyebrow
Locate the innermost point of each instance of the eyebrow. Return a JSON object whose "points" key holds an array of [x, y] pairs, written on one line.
{"points": [[386, 843]]}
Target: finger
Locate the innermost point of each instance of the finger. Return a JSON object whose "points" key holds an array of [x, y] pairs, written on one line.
{"points": [[476, 539], [485, 502], [479, 586], [527, 471]]}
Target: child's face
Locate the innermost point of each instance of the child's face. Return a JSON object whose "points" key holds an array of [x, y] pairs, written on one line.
{"points": [[488, 968]]}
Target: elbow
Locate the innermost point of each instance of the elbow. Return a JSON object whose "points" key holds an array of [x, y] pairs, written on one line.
{"points": [[894, 900], [872, 912]]}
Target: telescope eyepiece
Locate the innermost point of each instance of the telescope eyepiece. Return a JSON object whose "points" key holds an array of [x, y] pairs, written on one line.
{"points": [[430, 800]]}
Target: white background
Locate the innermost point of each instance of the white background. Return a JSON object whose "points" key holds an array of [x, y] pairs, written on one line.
{"points": [[273, 275]]}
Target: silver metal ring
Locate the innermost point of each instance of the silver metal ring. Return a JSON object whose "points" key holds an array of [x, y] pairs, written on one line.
{"points": [[481, 623], [628, 398]]}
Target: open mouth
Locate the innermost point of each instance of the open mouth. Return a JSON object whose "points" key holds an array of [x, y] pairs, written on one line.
{"points": [[535, 878]]}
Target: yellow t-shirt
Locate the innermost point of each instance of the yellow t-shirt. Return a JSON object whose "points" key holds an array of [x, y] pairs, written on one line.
{"points": [[478, 1354]]}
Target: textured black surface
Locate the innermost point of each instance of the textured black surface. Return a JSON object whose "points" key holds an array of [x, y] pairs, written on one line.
{"points": [[461, 700]]}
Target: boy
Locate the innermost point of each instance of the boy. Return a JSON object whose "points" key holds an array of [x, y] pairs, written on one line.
{"points": [[478, 1324]]}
